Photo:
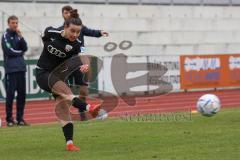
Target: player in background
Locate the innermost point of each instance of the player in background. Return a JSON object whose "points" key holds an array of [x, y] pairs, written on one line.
{"points": [[60, 46], [77, 77]]}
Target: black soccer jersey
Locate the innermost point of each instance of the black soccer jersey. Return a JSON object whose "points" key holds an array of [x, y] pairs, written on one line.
{"points": [[56, 49]]}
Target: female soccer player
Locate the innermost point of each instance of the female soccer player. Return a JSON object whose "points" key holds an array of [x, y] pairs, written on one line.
{"points": [[60, 46], [77, 78]]}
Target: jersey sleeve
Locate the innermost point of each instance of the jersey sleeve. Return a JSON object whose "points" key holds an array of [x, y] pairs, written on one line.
{"points": [[50, 33], [91, 32]]}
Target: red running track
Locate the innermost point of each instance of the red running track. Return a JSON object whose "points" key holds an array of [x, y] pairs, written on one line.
{"points": [[42, 112]]}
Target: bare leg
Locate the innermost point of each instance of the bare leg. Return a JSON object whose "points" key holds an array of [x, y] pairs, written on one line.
{"points": [[62, 111], [60, 88], [65, 94]]}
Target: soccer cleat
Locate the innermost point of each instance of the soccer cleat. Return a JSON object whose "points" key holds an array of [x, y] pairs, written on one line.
{"points": [[22, 123], [94, 110], [72, 147], [10, 124]]}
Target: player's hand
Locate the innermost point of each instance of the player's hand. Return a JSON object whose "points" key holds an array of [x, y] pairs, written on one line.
{"points": [[84, 68], [19, 33], [104, 33]]}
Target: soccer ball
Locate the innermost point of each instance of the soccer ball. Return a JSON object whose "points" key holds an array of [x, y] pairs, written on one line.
{"points": [[208, 105]]}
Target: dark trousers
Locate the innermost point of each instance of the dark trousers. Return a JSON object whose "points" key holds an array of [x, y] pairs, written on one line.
{"points": [[15, 82]]}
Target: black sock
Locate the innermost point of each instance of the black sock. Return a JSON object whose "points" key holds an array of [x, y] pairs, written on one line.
{"points": [[84, 100], [80, 104], [82, 114], [68, 131]]}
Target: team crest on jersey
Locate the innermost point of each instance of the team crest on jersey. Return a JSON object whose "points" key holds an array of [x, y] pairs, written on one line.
{"points": [[68, 48]]}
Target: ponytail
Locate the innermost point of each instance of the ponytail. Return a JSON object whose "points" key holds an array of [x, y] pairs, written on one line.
{"points": [[74, 18]]}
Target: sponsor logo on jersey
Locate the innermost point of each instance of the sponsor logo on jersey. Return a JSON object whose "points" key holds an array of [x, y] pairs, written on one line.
{"points": [[55, 51], [68, 48]]}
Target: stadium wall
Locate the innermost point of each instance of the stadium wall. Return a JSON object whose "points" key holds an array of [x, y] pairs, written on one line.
{"points": [[154, 30], [160, 32]]}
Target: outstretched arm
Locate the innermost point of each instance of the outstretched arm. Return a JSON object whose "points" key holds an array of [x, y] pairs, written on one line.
{"points": [[93, 33]]}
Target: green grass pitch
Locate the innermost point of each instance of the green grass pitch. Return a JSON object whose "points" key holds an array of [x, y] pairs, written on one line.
{"points": [[199, 138]]}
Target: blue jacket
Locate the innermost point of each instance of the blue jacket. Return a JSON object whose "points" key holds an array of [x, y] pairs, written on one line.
{"points": [[13, 48], [85, 31]]}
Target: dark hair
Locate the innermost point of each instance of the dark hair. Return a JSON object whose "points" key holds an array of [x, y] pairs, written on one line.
{"points": [[66, 8], [74, 18], [13, 17]]}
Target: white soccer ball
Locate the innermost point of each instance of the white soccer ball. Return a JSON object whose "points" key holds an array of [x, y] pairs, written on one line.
{"points": [[208, 105]]}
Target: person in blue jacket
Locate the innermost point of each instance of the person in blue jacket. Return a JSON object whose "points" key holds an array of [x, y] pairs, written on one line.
{"points": [[14, 46], [78, 78], [85, 31]]}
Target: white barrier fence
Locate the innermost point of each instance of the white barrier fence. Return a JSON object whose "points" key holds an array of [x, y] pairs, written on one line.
{"points": [[172, 63]]}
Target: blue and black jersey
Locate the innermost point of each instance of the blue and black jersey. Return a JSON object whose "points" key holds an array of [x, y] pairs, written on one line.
{"points": [[13, 48]]}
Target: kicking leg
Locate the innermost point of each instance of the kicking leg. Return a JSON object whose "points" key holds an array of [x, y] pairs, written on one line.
{"points": [[60, 88]]}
